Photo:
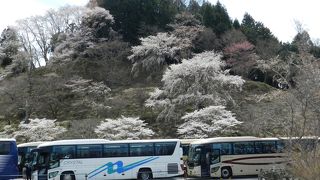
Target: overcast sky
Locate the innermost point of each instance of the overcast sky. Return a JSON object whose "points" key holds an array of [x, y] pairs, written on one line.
{"points": [[12, 10], [278, 15]]}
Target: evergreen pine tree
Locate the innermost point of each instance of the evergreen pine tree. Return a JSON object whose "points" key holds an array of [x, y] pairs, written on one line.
{"points": [[236, 24]]}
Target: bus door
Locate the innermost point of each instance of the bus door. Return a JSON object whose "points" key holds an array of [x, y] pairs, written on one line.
{"points": [[40, 164], [194, 160], [209, 157]]}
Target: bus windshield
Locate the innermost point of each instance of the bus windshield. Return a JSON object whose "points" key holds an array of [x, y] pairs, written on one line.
{"points": [[194, 155]]}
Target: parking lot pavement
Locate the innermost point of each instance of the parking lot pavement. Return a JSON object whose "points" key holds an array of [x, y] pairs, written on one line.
{"points": [[181, 178], [238, 178]]}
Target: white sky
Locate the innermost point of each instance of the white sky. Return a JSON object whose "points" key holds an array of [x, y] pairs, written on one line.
{"points": [[278, 15], [12, 10]]}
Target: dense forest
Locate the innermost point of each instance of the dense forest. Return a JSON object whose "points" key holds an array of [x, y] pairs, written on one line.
{"points": [[155, 69]]}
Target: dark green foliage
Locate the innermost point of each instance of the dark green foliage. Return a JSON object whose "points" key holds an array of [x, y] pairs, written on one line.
{"points": [[286, 49], [215, 17], [131, 15], [267, 45], [236, 24], [315, 51], [255, 30], [194, 7]]}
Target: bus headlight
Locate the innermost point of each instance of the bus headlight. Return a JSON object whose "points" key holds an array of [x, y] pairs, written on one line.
{"points": [[215, 169], [53, 174]]}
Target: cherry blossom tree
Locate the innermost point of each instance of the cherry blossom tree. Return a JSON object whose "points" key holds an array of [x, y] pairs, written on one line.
{"points": [[155, 52], [240, 58], [6, 131], [89, 93], [208, 122], [123, 128], [194, 84], [36, 130], [95, 27]]}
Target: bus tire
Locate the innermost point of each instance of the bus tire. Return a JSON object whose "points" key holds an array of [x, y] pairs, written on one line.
{"points": [[68, 175], [226, 172], [145, 174]]}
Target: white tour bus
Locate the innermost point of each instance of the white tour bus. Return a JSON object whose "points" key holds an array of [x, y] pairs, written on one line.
{"points": [[102, 159], [24, 153], [235, 156]]}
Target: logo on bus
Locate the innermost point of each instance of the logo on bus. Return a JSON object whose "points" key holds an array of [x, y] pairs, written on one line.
{"points": [[120, 168]]}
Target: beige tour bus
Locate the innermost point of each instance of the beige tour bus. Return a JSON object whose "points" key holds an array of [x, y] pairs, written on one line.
{"points": [[235, 156]]}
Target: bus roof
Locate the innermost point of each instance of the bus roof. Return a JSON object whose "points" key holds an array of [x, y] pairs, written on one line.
{"points": [[101, 141], [31, 144], [144, 141], [7, 139], [73, 142], [231, 139], [303, 137], [188, 141]]}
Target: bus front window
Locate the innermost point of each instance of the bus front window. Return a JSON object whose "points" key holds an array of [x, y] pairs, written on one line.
{"points": [[194, 156], [54, 160], [215, 158]]}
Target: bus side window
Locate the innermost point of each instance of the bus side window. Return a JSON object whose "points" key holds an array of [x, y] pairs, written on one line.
{"points": [[116, 150], [89, 151], [243, 148], [4, 148], [280, 146], [225, 148], [65, 152], [163, 149], [141, 149]]}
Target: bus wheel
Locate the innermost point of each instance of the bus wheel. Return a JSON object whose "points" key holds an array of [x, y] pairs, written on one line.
{"points": [[226, 172], [67, 176], [144, 174]]}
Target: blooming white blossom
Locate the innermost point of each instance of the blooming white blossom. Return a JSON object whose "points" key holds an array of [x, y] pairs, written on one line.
{"points": [[157, 51], [207, 122], [123, 128], [195, 83], [6, 132], [87, 87], [37, 130], [98, 13], [95, 27]]}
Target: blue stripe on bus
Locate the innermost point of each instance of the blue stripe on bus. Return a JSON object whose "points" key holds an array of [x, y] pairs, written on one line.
{"points": [[120, 168]]}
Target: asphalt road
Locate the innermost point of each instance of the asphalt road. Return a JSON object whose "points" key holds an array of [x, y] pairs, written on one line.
{"points": [[180, 178], [240, 178]]}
